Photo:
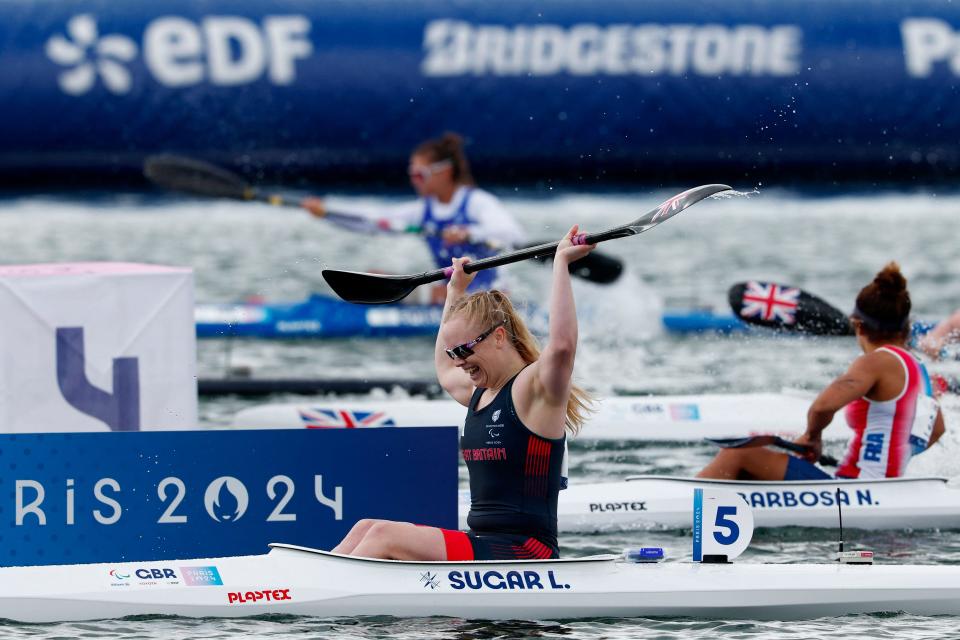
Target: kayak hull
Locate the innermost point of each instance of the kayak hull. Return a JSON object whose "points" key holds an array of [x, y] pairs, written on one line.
{"points": [[298, 581], [663, 502], [681, 418]]}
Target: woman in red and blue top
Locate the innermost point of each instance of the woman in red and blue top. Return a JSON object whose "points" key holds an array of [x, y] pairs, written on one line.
{"points": [[520, 404], [886, 394]]}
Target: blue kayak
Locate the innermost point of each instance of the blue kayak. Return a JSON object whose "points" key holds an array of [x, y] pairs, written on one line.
{"points": [[325, 317], [316, 317]]}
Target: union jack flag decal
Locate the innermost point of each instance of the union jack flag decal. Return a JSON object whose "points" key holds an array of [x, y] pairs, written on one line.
{"points": [[315, 418], [769, 301], [668, 206]]}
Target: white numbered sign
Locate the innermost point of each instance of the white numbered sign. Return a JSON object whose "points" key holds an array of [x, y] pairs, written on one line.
{"points": [[722, 524]]}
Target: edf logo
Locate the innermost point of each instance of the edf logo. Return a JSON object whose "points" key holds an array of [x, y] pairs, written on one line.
{"points": [[221, 50]]}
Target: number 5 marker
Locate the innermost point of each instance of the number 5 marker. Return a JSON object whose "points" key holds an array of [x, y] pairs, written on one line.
{"points": [[722, 524]]}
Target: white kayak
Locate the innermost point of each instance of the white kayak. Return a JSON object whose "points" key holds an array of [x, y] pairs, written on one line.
{"points": [[300, 581], [620, 418], [644, 502]]}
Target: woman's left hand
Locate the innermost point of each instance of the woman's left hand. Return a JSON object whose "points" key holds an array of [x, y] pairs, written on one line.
{"points": [[569, 252], [459, 279]]}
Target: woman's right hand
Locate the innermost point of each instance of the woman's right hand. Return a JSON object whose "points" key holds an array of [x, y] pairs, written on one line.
{"points": [[814, 445], [460, 280], [315, 206], [569, 252]]}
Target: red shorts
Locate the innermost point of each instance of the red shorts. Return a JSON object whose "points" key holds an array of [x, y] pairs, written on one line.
{"points": [[469, 545]]}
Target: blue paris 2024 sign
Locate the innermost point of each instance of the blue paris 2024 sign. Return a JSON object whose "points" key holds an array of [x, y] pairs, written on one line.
{"points": [[107, 497]]}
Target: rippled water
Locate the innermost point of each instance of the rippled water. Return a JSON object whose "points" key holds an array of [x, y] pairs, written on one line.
{"points": [[829, 244]]}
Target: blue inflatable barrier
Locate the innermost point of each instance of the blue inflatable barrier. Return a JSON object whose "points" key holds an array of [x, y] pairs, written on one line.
{"points": [[635, 88]]}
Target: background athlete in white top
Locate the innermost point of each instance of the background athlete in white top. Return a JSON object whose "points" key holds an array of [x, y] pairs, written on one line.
{"points": [[456, 218]]}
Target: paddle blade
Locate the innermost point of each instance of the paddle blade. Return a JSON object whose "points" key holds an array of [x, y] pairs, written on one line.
{"points": [[775, 306], [597, 267], [369, 288], [195, 176], [681, 201], [664, 211], [594, 267]]}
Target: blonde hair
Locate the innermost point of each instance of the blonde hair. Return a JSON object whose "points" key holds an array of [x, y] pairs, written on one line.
{"points": [[487, 308]]}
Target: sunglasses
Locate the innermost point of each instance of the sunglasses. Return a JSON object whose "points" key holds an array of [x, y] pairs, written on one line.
{"points": [[424, 173], [465, 350]]}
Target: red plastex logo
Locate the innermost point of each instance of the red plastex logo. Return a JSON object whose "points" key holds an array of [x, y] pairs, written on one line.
{"points": [[270, 595]]}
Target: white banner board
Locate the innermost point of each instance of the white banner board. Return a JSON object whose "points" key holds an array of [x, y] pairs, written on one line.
{"points": [[97, 347]]}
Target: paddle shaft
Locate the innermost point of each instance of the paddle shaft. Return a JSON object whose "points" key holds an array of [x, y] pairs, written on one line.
{"points": [[546, 249], [825, 460], [350, 221], [770, 440]]}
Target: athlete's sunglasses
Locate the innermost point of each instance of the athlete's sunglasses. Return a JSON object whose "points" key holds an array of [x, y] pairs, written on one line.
{"points": [[425, 172], [465, 350]]}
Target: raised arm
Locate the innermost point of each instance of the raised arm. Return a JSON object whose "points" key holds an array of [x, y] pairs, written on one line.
{"points": [[553, 371], [452, 378]]}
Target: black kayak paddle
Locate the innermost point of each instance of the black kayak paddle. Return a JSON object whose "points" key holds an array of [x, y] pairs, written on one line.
{"points": [[371, 288], [768, 441]]}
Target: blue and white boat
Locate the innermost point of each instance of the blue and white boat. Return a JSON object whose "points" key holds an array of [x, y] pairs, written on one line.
{"points": [[322, 316], [316, 317]]}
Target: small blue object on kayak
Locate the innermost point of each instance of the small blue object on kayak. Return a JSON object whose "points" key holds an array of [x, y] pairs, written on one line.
{"points": [[643, 554]]}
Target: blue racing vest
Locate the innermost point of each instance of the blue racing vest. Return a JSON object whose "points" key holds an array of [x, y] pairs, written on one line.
{"points": [[442, 254]]}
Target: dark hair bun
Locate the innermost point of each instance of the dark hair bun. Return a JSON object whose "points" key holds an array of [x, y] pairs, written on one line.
{"points": [[890, 281], [883, 306]]}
